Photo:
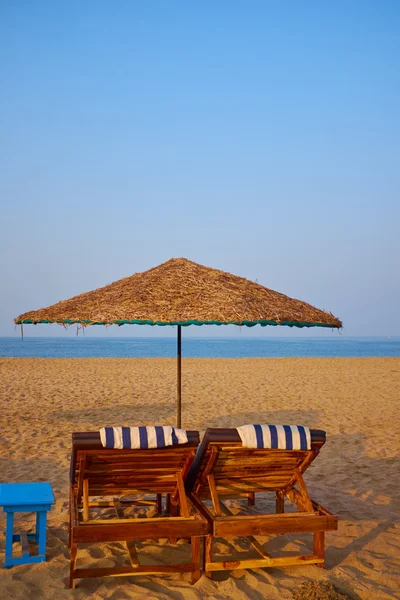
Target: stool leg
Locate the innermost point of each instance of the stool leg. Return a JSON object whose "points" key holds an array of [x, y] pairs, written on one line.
{"points": [[9, 538], [41, 531]]}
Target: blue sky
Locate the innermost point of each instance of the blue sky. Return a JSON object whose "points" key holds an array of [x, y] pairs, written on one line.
{"points": [[261, 138]]}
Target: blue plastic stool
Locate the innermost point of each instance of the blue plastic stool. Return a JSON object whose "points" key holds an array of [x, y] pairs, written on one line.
{"points": [[26, 497]]}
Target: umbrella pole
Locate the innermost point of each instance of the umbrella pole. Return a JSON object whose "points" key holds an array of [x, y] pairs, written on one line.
{"points": [[179, 383]]}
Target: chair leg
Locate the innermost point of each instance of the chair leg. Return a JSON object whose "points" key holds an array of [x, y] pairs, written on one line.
{"points": [[174, 510], [86, 500], [280, 503], [69, 530], [195, 543], [251, 499], [319, 547], [74, 552], [207, 551], [159, 503]]}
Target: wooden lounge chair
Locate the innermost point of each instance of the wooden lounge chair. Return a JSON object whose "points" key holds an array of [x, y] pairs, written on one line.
{"points": [[100, 478], [223, 467]]}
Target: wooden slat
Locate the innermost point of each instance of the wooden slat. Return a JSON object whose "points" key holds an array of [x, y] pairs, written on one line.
{"points": [[106, 471], [128, 503], [214, 495], [113, 521], [118, 508], [138, 502], [129, 571], [133, 477], [269, 516], [306, 559], [185, 470], [135, 488], [81, 464], [302, 467], [295, 496], [247, 485], [210, 464], [257, 563], [182, 496], [250, 474], [231, 495], [249, 482], [132, 490], [257, 546], [85, 500], [252, 540], [259, 463], [193, 509], [139, 529], [73, 507], [101, 454], [272, 524], [304, 492], [297, 499], [202, 508], [261, 453], [322, 511], [101, 458]]}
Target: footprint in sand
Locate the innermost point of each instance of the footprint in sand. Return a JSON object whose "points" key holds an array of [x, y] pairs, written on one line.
{"points": [[96, 553], [381, 499]]}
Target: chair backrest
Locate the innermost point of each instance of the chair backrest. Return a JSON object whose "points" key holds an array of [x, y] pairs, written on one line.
{"points": [[114, 472], [236, 469]]}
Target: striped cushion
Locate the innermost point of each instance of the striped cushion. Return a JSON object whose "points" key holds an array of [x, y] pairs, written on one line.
{"points": [[142, 437], [278, 437]]}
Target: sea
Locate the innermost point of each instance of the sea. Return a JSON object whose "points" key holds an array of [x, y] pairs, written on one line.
{"points": [[232, 347]]}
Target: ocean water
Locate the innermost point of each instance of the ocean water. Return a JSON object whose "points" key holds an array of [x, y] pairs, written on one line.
{"points": [[80, 347]]}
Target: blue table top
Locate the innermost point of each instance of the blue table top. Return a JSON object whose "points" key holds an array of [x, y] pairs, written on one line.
{"points": [[18, 494]]}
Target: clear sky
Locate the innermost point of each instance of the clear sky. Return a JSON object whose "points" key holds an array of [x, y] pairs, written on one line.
{"points": [[258, 137]]}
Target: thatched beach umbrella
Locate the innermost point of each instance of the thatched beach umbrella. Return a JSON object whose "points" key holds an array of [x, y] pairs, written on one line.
{"points": [[181, 292]]}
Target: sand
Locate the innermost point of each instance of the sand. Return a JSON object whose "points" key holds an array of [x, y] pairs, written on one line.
{"points": [[356, 401]]}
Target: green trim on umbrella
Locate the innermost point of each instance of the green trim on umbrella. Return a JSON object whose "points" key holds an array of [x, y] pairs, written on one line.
{"points": [[119, 322]]}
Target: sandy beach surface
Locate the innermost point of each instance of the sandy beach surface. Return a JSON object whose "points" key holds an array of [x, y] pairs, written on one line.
{"points": [[357, 475]]}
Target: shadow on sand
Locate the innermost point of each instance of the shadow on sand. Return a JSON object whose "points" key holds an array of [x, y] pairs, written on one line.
{"points": [[140, 414]]}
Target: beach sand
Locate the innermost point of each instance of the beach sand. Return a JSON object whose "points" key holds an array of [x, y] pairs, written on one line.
{"points": [[356, 476]]}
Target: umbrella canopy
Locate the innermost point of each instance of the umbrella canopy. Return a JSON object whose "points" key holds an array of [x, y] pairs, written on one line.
{"points": [[181, 292]]}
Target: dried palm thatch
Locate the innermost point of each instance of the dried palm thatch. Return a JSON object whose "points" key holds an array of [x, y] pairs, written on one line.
{"points": [[181, 292]]}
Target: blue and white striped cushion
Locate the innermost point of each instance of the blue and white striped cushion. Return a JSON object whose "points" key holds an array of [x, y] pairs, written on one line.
{"points": [[279, 437], [142, 437]]}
